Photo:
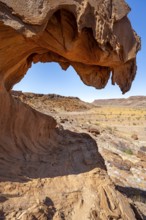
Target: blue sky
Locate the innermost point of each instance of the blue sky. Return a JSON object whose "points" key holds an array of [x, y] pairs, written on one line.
{"points": [[50, 78]]}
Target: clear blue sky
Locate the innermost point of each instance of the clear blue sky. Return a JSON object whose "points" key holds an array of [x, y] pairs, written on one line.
{"points": [[50, 78]]}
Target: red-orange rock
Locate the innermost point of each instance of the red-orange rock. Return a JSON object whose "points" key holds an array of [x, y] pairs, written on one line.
{"points": [[95, 37], [46, 172]]}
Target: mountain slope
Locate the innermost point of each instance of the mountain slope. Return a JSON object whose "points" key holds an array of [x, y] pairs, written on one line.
{"points": [[133, 101]]}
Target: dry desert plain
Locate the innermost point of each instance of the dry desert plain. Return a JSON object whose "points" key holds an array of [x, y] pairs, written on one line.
{"points": [[118, 127]]}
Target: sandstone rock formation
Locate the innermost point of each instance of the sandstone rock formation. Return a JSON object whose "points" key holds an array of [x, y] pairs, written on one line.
{"points": [[95, 37], [47, 172], [50, 173]]}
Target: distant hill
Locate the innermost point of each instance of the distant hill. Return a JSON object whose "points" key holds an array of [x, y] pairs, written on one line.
{"points": [[52, 102], [133, 101]]}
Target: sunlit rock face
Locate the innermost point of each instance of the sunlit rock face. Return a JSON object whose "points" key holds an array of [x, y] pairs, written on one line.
{"points": [[45, 171]]}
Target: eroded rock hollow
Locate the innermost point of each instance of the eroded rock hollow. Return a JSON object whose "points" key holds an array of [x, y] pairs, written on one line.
{"points": [[47, 172]]}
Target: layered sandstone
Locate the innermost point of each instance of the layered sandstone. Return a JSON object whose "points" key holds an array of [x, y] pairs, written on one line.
{"points": [[95, 37], [50, 173], [47, 172]]}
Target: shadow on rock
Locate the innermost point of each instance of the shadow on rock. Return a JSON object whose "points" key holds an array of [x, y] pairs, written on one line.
{"points": [[66, 153], [2, 216], [135, 194], [51, 209]]}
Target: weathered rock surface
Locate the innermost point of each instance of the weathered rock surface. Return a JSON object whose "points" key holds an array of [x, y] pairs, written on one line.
{"points": [[95, 37], [125, 165], [50, 173], [47, 172], [51, 103]]}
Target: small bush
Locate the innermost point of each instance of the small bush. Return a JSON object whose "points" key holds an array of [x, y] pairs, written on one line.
{"points": [[128, 151]]}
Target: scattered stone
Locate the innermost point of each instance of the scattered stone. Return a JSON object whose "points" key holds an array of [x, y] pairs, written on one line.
{"points": [[134, 137], [94, 130]]}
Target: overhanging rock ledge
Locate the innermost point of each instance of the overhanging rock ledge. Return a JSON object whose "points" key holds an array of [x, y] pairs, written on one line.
{"points": [[47, 172]]}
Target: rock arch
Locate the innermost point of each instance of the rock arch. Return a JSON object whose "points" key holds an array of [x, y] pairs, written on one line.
{"points": [[96, 38]]}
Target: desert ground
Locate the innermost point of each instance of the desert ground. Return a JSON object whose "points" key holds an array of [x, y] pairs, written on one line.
{"points": [[119, 130]]}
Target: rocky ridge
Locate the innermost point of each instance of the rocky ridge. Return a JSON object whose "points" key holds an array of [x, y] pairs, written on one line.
{"points": [[133, 101], [52, 102]]}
